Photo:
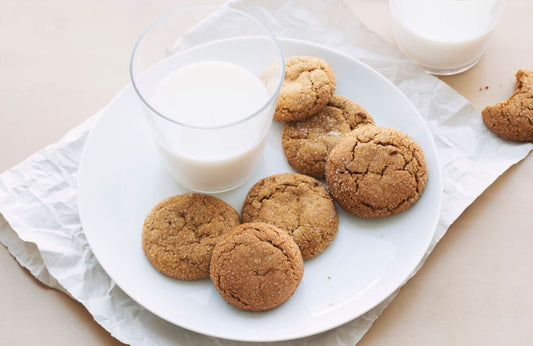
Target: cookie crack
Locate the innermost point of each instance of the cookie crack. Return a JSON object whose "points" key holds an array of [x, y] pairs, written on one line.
{"points": [[357, 124], [274, 245], [384, 177], [315, 88], [390, 209], [287, 258], [280, 188]]}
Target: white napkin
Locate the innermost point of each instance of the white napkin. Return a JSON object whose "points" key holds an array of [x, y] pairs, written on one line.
{"points": [[39, 222]]}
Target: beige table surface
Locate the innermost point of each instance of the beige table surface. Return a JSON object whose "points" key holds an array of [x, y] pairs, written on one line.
{"points": [[61, 61]]}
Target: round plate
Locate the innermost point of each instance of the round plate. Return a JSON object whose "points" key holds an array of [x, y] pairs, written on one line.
{"points": [[121, 178]]}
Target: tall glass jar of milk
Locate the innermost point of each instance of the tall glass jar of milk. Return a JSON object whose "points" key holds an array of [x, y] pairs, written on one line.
{"points": [[208, 78], [444, 36]]}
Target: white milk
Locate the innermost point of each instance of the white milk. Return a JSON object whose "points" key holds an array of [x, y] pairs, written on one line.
{"points": [[446, 36], [201, 97]]}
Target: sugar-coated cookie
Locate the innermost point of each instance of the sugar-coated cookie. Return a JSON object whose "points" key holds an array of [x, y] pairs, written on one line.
{"points": [[375, 172], [180, 232], [299, 205], [308, 85], [256, 266], [307, 143]]}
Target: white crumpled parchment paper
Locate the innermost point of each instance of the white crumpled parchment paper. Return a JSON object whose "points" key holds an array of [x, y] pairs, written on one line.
{"points": [[39, 222]]}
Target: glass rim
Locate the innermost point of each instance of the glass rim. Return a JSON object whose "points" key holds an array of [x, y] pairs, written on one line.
{"points": [[270, 100]]}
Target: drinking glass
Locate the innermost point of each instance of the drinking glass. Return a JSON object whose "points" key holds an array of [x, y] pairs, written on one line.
{"points": [[444, 36], [188, 48]]}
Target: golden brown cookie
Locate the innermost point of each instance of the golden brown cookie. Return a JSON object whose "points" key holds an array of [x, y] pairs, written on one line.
{"points": [[374, 172], [308, 85], [180, 232], [306, 143], [256, 266], [299, 205], [513, 119]]}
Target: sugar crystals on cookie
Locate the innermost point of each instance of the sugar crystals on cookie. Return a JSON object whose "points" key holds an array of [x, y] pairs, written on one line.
{"points": [[376, 172], [299, 205], [513, 119], [180, 232], [308, 85], [256, 266], [307, 143]]}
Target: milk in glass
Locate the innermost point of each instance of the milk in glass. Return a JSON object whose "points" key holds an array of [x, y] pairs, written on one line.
{"points": [[445, 36], [221, 138]]}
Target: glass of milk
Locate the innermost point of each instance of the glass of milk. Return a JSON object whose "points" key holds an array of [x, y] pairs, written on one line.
{"points": [[208, 78], [444, 36]]}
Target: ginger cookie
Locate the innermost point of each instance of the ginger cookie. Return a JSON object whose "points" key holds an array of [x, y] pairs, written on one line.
{"points": [[180, 232], [375, 172], [256, 266], [308, 85], [513, 119], [307, 143], [299, 205]]}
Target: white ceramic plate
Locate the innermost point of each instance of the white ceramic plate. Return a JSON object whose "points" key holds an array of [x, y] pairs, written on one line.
{"points": [[121, 178]]}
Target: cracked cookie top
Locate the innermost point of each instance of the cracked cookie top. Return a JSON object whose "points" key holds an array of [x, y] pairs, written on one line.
{"points": [[180, 232], [256, 266], [512, 119], [307, 143], [308, 85], [375, 172], [299, 205]]}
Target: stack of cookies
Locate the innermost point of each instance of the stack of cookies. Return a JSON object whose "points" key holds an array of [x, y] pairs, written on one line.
{"points": [[371, 171]]}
